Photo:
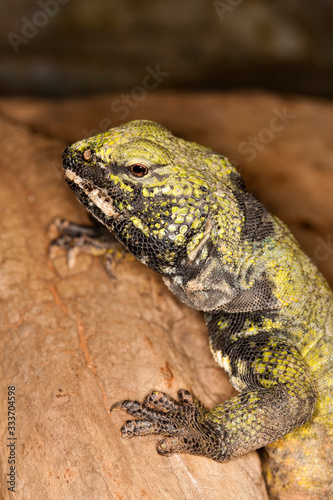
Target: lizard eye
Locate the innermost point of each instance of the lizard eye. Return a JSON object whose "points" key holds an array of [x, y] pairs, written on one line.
{"points": [[138, 170]]}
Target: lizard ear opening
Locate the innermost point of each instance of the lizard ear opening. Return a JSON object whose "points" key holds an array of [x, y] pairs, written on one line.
{"points": [[138, 170]]}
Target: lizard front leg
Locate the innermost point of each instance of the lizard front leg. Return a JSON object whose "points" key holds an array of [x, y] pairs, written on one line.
{"points": [[93, 240], [277, 395]]}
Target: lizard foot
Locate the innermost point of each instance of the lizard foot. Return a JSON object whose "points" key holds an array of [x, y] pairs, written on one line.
{"points": [[93, 240], [187, 426]]}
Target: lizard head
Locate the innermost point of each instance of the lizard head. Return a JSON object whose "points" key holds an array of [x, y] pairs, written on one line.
{"points": [[154, 191]]}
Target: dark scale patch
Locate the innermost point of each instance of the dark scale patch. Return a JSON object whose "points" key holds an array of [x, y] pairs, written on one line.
{"points": [[258, 223], [246, 349], [148, 249], [72, 158], [237, 181], [233, 329], [266, 227], [249, 273], [259, 297]]}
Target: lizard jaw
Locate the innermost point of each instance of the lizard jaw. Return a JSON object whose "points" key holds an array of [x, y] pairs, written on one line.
{"points": [[98, 196]]}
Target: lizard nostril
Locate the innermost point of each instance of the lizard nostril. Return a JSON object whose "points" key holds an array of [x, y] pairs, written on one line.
{"points": [[87, 154]]}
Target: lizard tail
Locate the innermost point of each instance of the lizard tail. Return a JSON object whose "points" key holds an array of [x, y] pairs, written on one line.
{"points": [[300, 462]]}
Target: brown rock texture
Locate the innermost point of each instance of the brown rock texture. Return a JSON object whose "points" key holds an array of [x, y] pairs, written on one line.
{"points": [[74, 341]]}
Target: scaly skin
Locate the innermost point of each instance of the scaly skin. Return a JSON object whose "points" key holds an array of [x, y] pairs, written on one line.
{"points": [[183, 210]]}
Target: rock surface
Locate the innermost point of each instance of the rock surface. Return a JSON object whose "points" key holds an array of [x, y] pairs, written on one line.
{"points": [[74, 341]]}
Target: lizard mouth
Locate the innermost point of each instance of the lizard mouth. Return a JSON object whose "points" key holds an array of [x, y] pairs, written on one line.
{"points": [[99, 197]]}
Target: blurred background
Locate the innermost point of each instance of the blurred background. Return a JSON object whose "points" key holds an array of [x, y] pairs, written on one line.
{"points": [[58, 48]]}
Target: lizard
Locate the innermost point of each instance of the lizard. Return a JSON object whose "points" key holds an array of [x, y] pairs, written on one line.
{"points": [[184, 211]]}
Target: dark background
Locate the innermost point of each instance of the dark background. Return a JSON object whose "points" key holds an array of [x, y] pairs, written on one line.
{"points": [[59, 48]]}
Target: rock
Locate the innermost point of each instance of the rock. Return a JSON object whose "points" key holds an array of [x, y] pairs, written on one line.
{"points": [[75, 341]]}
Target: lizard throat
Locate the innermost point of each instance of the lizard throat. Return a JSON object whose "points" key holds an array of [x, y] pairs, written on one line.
{"points": [[98, 196]]}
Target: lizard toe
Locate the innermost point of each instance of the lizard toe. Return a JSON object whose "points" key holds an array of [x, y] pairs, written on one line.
{"points": [[144, 427], [179, 444], [160, 401]]}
